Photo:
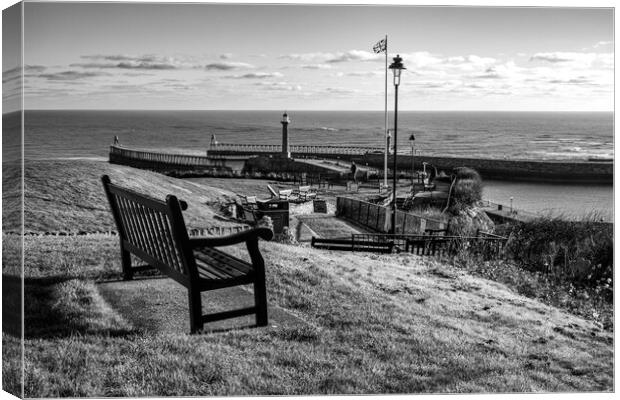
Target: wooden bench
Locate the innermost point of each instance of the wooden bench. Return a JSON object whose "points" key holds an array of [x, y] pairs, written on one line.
{"points": [[249, 201], [305, 193], [285, 194], [352, 245], [155, 232]]}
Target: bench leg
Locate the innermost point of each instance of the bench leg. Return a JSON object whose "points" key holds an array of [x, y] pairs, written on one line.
{"points": [[260, 300], [195, 310], [126, 263]]}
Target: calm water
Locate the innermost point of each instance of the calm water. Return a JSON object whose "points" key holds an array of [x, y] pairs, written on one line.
{"points": [[513, 135], [570, 201]]}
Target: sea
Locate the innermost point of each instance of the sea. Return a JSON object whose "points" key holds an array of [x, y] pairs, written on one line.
{"points": [[500, 135]]}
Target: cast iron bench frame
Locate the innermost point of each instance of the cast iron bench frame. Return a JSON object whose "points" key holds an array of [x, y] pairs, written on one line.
{"points": [[155, 232]]}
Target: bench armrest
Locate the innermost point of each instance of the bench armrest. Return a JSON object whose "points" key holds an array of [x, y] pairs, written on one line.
{"points": [[245, 236]]}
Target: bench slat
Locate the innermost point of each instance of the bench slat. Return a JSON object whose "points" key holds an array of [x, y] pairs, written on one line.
{"points": [[206, 272], [239, 265], [220, 262]]}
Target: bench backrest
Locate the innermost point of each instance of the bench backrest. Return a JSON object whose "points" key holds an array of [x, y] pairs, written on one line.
{"points": [[153, 230]]}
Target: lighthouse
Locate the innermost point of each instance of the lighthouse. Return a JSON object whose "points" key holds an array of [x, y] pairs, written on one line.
{"points": [[286, 152]]}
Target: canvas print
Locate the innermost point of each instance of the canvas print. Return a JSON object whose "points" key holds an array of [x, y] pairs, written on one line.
{"points": [[213, 199]]}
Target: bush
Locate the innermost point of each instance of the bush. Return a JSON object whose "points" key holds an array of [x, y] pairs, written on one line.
{"points": [[467, 190], [577, 251]]}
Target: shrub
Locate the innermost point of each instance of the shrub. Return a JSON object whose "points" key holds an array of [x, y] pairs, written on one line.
{"points": [[467, 190], [577, 251]]}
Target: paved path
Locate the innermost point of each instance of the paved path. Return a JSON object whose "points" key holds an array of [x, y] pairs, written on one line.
{"points": [[342, 166], [160, 305]]}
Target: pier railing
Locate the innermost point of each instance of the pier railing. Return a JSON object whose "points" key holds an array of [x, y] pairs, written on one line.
{"points": [[299, 149], [117, 152], [484, 244], [509, 211]]}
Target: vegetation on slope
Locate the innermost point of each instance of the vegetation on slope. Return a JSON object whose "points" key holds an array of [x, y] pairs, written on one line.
{"points": [[68, 195], [374, 324]]}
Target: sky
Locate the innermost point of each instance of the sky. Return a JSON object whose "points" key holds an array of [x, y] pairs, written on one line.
{"points": [[313, 57]]}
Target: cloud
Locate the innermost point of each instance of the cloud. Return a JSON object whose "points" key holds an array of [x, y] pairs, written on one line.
{"points": [[489, 73], [280, 86], [556, 57], [307, 57], [69, 75], [360, 73], [602, 43], [121, 61], [332, 90], [258, 75], [94, 65], [226, 56], [227, 66], [337, 57], [582, 80], [15, 73], [470, 59], [144, 65], [354, 55], [316, 66], [122, 57], [577, 60]]}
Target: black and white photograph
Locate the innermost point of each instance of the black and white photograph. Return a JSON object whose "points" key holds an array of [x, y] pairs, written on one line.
{"points": [[307, 199]]}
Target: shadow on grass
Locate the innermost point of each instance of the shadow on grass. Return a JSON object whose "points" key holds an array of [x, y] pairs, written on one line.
{"points": [[55, 307]]}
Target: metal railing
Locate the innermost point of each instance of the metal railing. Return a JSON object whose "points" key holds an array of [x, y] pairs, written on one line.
{"points": [[299, 149], [509, 210], [486, 245], [159, 158], [373, 216]]}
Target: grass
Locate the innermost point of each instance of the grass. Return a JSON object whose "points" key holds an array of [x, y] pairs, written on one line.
{"points": [[68, 196], [374, 324]]}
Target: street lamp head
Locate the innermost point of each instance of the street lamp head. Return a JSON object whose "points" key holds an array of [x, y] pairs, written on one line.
{"points": [[412, 138], [397, 67]]}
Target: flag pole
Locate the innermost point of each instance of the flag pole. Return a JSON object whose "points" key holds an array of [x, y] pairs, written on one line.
{"points": [[387, 138]]}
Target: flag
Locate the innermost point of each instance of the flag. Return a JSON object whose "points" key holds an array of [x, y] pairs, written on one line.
{"points": [[380, 47]]}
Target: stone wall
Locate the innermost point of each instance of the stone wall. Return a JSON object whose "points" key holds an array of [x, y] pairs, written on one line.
{"points": [[543, 171]]}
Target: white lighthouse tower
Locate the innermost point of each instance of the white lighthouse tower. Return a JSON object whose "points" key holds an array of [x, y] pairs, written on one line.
{"points": [[286, 151]]}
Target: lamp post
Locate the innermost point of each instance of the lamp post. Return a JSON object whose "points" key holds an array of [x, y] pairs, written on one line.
{"points": [[412, 140], [396, 67]]}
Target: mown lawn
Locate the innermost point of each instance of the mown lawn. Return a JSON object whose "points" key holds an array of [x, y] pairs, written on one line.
{"points": [[374, 324]]}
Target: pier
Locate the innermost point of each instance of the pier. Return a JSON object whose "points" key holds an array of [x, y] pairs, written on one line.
{"points": [[218, 155]]}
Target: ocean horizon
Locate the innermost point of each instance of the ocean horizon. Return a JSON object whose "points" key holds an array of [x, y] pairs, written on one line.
{"points": [[477, 134]]}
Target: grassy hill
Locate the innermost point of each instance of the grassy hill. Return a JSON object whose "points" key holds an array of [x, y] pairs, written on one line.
{"points": [[374, 324], [68, 195]]}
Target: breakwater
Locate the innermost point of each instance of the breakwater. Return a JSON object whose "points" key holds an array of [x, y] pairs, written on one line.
{"points": [[158, 161], [582, 172], [513, 170]]}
